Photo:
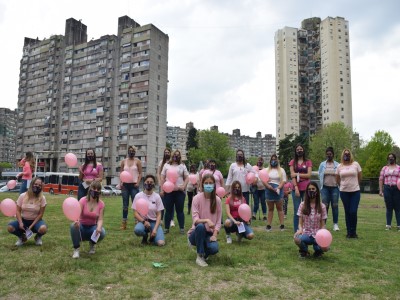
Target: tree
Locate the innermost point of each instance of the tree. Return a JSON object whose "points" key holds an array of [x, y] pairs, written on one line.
{"points": [[373, 156], [191, 142], [252, 160], [286, 148], [212, 145], [335, 135]]}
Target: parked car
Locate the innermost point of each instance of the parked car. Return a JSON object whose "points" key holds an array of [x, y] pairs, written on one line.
{"points": [[5, 189], [105, 192], [113, 190]]}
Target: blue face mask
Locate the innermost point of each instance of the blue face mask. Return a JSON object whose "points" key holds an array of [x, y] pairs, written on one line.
{"points": [[208, 187], [274, 163]]}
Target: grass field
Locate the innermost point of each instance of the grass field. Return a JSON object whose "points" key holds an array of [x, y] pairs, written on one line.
{"points": [[267, 267]]}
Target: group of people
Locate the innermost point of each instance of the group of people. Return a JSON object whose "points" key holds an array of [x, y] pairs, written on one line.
{"points": [[311, 203]]}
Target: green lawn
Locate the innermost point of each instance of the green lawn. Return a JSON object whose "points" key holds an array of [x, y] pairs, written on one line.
{"points": [[266, 267]]}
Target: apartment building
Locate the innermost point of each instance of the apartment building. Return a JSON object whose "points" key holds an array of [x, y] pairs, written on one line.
{"points": [[8, 130], [312, 75], [105, 94]]}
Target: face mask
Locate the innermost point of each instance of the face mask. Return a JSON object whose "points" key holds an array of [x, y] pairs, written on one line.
{"points": [[148, 186], [260, 163], [176, 157], [212, 167], [94, 194], [329, 157], [239, 158], [36, 190], [167, 156], [90, 157], [311, 194], [346, 157], [236, 191], [131, 154], [391, 161], [300, 153], [208, 187], [274, 163]]}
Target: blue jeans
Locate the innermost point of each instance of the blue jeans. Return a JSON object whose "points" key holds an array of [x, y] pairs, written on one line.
{"points": [[259, 196], [24, 186], [308, 240], [391, 195], [330, 195], [350, 203], [200, 238], [177, 199], [246, 196], [82, 192], [140, 230], [128, 189], [233, 228], [84, 233], [19, 232], [296, 204]]}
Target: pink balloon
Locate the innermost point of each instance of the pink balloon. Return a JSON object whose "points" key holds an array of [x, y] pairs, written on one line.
{"points": [[70, 160], [192, 178], [11, 184], [168, 187], [250, 178], [205, 172], [8, 207], [126, 177], [71, 209], [264, 176], [255, 168], [142, 206], [172, 175], [220, 192], [244, 212], [323, 238]]}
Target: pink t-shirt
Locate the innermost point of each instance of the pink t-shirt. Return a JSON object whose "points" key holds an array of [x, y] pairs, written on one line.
{"points": [[201, 210], [302, 169], [30, 209], [90, 172], [155, 204], [234, 209], [218, 178], [349, 177], [182, 173], [26, 171], [132, 169], [311, 223], [89, 218]]}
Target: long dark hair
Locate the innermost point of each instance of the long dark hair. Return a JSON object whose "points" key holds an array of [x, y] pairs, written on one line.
{"points": [[296, 157], [244, 157], [87, 161], [240, 195], [213, 197], [165, 160], [307, 206]]}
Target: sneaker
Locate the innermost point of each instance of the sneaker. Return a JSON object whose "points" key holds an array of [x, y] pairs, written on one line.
{"points": [[38, 240], [336, 227], [264, 218], [388, 227], [239, 237], [254, 218], [282, 227], [398, 228], [92, 249], [76, 253], [303, 254], [172, 224], [19, 242], [182, 231], [123, 225], [269, 228], [166, 231], [200, 261], [228, 239], [318, 253], [285, 217]]}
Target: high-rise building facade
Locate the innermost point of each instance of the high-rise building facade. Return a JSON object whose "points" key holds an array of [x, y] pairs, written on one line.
{"points": [[8, 130], [105, 94], [313, 78]]}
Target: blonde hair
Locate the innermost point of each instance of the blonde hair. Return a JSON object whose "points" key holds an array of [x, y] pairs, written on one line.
{"points": [[351, 156], [29, 193], [278, 167]]}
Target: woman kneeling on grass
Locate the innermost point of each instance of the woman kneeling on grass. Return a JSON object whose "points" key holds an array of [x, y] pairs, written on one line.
{"points": [[152, 221], [206, 215], [232, 211], [312, 216], [90, 224], [30, 210]]}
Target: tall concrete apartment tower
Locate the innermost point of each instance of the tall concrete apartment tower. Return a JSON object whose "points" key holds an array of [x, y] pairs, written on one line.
{"points": [[8, 130], [105, 94], [312, 74]]}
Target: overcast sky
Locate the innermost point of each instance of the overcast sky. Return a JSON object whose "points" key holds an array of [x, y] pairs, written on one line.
{"points": [[221, 54]]}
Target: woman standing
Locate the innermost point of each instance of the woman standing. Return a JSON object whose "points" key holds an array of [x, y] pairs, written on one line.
{"points": [[90, 171], [300, 172], [30, 210], [329, 187], [232, 211], [177, 196], [389, 176], [191, 188], [259, 193], [274, 191], [237, 172], [150, 223], [90, 224], [133, 166], [28, 167], [206, 215], [166, 158], [348, 177], [312, 215]]}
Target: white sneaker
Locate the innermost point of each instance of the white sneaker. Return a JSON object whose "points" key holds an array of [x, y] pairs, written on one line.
{"points": [[200, 261], [38, 240], [19, 243], [76, 253], [172, 224], [336, 227], [92, 249], [388, 227], [228, 239]]}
